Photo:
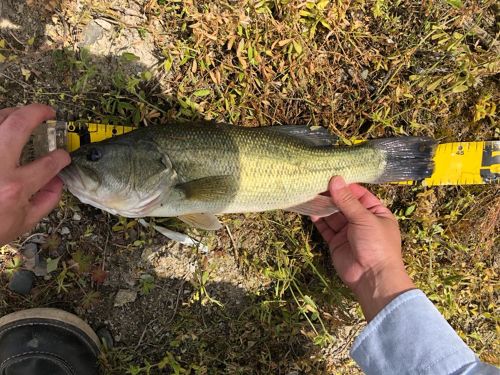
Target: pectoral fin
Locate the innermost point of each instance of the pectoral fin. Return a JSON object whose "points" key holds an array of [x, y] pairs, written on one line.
{"points": [[210, 188], [319, 206], [202, 221]]}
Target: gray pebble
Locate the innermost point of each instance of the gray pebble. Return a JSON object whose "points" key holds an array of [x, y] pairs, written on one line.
{"points": [[29, 250], [22, 282]]}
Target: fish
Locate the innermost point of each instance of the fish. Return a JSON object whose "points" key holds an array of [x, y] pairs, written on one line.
{"points": [[197, 170]]}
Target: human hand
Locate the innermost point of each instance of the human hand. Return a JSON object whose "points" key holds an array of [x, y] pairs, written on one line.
{"points": [[365, 246], [29, 192]]}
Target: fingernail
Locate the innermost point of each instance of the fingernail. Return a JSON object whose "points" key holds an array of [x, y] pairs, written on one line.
{"points": [[338, 183]]}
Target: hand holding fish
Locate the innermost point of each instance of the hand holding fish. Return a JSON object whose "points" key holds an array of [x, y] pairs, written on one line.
{"points": [[29, 192], [365, 246]]}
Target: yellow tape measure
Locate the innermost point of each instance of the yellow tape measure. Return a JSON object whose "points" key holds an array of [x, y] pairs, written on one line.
{"points": [[456, 163]]}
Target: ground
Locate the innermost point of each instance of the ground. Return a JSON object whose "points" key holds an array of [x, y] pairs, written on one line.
{"points": [[263, 298]]}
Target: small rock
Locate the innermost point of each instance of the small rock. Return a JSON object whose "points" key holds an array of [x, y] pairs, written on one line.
{"points": [[364, 74], [132, 234], [104, 24], [29, 250], [30, 263], [125, 296], [65, 231], [40, 240], [30, 255], [40, 268], [129, 280], [92, 33], [77, 216], [148, 254], [21, 282]]}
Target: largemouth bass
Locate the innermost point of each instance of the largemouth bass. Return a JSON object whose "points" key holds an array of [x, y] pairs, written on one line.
{"points": [[197, 170]]}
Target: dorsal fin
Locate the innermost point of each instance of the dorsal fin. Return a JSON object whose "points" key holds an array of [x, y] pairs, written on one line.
{"points": [[314, 136]]}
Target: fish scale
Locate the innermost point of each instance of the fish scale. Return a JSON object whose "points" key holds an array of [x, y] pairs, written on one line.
{"points": [[272, 172]]}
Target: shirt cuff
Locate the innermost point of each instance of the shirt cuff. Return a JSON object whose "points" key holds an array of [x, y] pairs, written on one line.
{"points": [[409, 336]]}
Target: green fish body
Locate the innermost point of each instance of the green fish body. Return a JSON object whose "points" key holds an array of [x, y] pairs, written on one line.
{"points": [[194, 171]]}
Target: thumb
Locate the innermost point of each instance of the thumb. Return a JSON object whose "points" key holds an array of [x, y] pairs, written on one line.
{"points": [[346, 202]]}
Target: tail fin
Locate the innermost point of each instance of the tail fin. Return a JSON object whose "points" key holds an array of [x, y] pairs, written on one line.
{"points": [[407, 158]]}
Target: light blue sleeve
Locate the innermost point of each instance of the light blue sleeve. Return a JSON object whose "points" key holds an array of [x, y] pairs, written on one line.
{"points": [[410, 336]]}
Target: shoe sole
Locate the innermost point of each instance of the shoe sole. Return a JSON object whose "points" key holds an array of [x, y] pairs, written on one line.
{"points": [[51, 314]]}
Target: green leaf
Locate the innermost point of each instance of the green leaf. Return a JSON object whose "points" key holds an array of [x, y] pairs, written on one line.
{"points": [[308, 300], [128, 56], [31, 41], [168, 64], [455, 3], [322, 4], [325, 23], [297, 46], [410, 209], [202, 92], [147, 75], [434, 85], [459, 88], [2, 58], [52, 264], [305, 13], [204, 277]]}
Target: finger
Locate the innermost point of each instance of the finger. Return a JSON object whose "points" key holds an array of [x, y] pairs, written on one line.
{"points": [[4, 113], [339, 242], [44, 201], [39, 172], [326, 232], [347, 202], [18, 126], [370, 201], [366, 198], [336, 221]]}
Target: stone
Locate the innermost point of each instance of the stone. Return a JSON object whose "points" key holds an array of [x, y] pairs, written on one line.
{"points": [[29, 250], [125, 296], [103, 24], [40, 268], [30, 254], [22, 282], [92, 33]]}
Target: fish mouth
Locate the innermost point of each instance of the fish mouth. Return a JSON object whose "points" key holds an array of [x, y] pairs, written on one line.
{"points": [[78, 182], [72, 177]]}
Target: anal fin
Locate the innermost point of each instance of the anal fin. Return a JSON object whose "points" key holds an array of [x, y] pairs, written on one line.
{"points": [[202, 221], [319, 206]]}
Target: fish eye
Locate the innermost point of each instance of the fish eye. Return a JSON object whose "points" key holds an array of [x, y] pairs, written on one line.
{"points": [[94, 154]]}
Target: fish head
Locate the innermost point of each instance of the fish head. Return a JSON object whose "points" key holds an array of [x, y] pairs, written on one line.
{"points": [[125, 178]]}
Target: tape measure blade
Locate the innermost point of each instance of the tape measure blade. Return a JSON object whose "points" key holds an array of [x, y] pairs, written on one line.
{"points": [[465, 163]]}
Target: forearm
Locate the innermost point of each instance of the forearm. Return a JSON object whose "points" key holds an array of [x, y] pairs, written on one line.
{"points": [[410, 336]]}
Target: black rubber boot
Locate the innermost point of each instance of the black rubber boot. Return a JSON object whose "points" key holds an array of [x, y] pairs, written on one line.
{"points": [[47, 342]]}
